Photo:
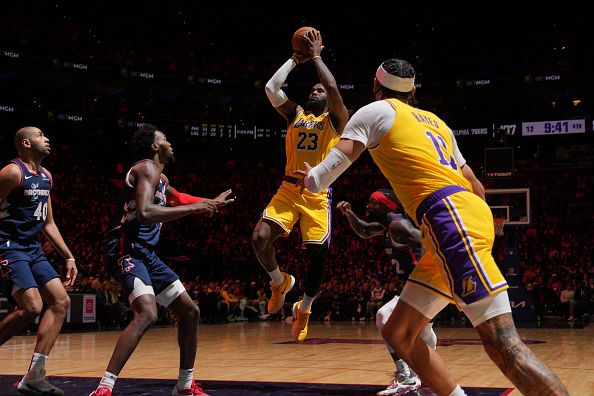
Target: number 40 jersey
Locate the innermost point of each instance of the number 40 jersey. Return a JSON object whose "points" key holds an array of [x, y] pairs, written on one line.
{"points": [[23, 213]]}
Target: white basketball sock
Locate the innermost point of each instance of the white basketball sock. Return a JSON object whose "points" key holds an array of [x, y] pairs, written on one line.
{"points": [[36, 368], [184, 381], [277, 276], [404, 369], [306, 303], [108, 380], [458, 391]]}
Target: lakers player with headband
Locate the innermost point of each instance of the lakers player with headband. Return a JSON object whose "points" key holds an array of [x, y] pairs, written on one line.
{"points": [[418, 154]]}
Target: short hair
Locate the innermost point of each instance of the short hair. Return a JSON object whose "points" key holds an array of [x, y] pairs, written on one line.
{"points": [[142, 140], [399, 68], [21, 134]]}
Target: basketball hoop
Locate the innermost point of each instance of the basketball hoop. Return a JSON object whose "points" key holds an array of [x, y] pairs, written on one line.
{"points": [[499, 223]]}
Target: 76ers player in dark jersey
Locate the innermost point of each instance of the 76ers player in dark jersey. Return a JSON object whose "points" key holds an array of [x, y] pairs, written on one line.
{"points": [[25, 212], [131, 257], [403, 247]]}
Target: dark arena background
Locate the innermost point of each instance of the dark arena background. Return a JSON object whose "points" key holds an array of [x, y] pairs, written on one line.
{"points": [[516, 89]]}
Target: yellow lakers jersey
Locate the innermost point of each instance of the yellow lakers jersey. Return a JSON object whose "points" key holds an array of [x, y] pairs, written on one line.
{"points": [[309, 139], [416, 156]]}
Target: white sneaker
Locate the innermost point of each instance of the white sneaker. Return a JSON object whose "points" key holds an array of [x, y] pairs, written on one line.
{"points": [[401, 385], [40, 387]]}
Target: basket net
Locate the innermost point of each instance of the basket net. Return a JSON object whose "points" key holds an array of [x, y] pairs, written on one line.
{"points": [[499, 223]]}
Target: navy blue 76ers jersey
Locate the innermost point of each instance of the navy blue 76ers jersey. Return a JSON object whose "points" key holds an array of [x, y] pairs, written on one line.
{"points": [[23, 213], [406, 256], [126, 223]]}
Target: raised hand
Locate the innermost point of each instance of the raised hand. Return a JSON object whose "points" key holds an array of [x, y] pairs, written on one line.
{"points": [[344, 206], [221, 199], [315, 42]]}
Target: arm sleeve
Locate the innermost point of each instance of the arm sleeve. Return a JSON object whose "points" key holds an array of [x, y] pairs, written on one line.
{"points": [[273, 87], [370, 123], [326, 172], [460, 160], [178, 199]]}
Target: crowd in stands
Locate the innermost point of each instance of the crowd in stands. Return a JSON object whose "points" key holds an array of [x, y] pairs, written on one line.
{"points": [[556, 250], [215, 260], [214, 256]]}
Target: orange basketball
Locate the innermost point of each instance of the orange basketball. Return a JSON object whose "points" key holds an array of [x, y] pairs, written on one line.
{"points": [[300, 43]]}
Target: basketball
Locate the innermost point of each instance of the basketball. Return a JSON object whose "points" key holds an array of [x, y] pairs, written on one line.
{"points": [[300, 43]]}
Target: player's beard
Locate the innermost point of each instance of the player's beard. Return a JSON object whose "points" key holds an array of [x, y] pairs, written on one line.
{"points": [[167, 154], [316, 106], [381, 218], [41, 151], [370, 217]]}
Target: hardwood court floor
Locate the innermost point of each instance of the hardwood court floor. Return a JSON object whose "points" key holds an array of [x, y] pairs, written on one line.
{"points": [[337, 353]]}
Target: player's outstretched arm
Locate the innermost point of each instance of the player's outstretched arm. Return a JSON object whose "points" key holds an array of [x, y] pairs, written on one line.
{"points": [[340, 157], [278, 98], [362, 228], [176, 198], [147, 176], [336, 105], [221, 199]]}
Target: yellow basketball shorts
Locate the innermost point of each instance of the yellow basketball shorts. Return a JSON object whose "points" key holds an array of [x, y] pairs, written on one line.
{"points": [[313, 210], [458, 234]]}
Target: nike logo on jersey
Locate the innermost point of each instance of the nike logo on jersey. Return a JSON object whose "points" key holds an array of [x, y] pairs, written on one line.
{"points": [[28, 177]]}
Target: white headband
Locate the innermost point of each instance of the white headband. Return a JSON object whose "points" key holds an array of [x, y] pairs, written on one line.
{"points": [[395, 83]]}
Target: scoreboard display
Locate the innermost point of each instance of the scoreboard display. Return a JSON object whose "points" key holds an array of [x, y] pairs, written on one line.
{"points": [[553, 127]]}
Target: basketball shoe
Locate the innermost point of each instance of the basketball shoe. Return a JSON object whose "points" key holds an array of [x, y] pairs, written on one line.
{"points": [[38, 387], [195, 390], [277, 299], [401, 385], [101, 391], [300, 323]]}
